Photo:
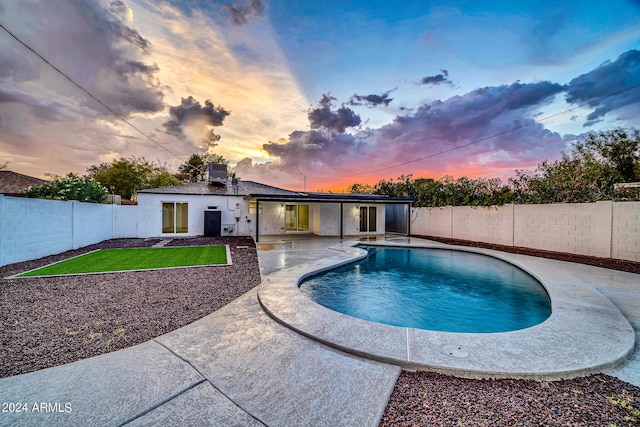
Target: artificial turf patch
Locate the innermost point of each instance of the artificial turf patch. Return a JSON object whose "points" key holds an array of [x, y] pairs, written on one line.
{"points": [[109, 260]]}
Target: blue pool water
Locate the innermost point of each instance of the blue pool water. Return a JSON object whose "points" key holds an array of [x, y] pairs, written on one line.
{"points": [[434, 289]]}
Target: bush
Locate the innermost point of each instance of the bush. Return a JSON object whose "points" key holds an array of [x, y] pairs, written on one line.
{"points": [[70, 187]]}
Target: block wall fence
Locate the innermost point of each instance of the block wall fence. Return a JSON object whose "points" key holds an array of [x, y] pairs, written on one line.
{"points": [[33, 228], [603, 229]]}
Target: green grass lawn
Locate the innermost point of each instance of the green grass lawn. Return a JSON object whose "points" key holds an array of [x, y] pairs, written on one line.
{"points": [[104, 260]]}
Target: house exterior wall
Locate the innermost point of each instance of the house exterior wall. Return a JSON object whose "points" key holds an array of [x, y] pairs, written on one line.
{"points": [[150, 212], [327, 217], [324, 219], [352, 219], [272, 218]]}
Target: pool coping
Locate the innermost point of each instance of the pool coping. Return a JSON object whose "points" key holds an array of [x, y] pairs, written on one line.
{"points": [[585, 333]]}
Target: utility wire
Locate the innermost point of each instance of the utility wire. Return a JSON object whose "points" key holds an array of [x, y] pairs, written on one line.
{"points": [[111, 110], [458, 147]]}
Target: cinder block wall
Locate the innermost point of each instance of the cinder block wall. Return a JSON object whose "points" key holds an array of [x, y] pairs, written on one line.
{"points": [[435, 222], [491, 225], [625, 233], [579, 228], [34, 228], [603, 229]]}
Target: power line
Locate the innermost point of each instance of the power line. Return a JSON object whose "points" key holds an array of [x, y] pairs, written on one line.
{"points": [[111, 110], [458, 147]]}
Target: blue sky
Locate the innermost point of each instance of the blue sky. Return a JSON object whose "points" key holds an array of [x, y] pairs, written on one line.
{"points": [[340, 92]]}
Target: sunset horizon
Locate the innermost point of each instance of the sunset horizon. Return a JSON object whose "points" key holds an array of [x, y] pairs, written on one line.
{"points": [[313, 96]]}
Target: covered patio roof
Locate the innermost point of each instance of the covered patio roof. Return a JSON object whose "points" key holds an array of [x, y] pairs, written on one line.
{"points": [[331, 198], [328, 198]]}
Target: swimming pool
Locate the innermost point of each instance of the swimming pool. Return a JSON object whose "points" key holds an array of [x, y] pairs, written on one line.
{"points": [[433, 289], [585, 333]]}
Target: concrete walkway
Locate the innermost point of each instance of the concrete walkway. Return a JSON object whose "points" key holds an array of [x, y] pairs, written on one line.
{"points": [[238, 366]]}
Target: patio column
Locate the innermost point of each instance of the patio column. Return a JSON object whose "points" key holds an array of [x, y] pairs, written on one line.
{"points": [[341, 219], [257, 220], [408, 219]]}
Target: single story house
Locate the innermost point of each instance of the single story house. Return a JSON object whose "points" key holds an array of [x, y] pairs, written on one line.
{"points": [[230, 207]]}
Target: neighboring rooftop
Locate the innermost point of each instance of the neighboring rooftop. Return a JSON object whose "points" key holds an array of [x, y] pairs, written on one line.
{"points": [[16, 183]]}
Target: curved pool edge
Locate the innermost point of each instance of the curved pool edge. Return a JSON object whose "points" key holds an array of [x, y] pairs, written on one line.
{"points": [[586, 332]]}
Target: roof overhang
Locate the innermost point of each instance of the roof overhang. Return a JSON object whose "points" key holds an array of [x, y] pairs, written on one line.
{"points": [[331, 198]]}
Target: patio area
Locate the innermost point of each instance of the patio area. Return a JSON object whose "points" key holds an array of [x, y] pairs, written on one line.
{"points": [[239, 366]]}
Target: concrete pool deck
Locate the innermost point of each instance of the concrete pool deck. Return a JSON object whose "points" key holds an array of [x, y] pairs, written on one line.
{"points": [[585, 333], [238, 366]]}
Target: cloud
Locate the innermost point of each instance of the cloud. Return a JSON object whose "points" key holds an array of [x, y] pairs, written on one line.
{"points": [[320, 149], [480, 113], [371, 100], [192, 120], [331, 157], [239, 14], [598, 88], [107, 57], [442, 78], [323, 117]]}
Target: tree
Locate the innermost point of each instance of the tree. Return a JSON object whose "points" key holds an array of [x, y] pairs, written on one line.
{"points": [[70, 187], [618, 149], [587, 174], [360, 189], [196, 168], [126, 176]]}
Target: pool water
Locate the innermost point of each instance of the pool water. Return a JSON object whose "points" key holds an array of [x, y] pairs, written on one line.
{"points": [[433, 289]]}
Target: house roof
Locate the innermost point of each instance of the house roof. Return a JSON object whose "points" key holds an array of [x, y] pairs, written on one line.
{"points": [[244, 188], [256, 190], [16, 183]]}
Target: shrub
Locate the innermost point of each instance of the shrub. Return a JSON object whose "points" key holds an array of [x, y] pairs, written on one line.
{"points": [[70, 187]]}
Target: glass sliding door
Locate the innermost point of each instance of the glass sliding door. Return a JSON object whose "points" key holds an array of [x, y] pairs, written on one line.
{"points": [[290, 218], [296, 218], [168, 218], [175, 217], [182, 217], [303, 217]]}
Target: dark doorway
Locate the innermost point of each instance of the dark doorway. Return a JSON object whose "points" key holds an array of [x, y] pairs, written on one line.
{"points": [[212, 223], [395, 219]]}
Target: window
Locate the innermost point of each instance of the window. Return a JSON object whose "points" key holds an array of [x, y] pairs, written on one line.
{"points": [[296, 218], [368, 218], [252, 207], [175, 217]]}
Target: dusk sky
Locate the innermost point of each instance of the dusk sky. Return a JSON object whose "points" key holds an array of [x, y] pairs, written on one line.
{"points": [[335, 91]]}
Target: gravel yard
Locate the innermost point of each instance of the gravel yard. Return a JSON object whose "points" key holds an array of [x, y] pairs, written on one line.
{"points": [[46, 322], [50, 321]]}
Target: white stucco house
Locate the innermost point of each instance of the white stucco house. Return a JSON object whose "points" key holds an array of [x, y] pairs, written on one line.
{"points": [[221, 207]]}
